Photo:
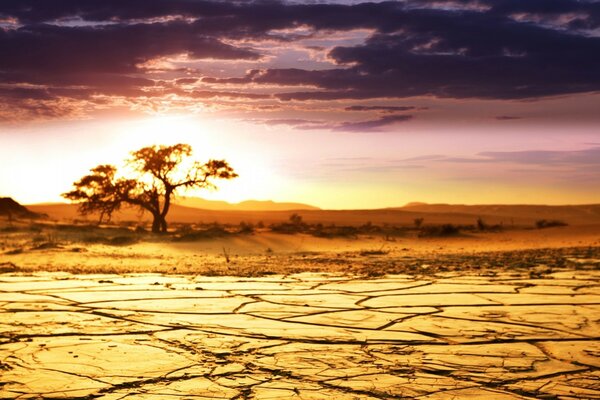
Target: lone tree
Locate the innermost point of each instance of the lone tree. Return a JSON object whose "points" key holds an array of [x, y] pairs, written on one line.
{"points": [[160, 175]]}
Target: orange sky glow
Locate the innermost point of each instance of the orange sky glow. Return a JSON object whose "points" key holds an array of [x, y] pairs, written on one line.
{"points": [[340, 105]]}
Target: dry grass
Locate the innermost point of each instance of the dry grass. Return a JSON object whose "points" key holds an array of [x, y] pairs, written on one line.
{"points": [[218, 250]]}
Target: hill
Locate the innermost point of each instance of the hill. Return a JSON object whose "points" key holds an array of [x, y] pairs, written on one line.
{"points": [[10, 208], [248, 205]]}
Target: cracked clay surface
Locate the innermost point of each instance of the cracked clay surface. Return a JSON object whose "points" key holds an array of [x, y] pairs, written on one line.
{"points": [[305, 336]]}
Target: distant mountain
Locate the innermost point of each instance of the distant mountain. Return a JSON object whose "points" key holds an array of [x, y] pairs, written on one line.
{"points": [[248, 205], [414, 204], [10, 208]]}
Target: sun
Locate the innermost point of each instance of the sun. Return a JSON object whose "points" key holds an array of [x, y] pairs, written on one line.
{"points": [[210, 139]]}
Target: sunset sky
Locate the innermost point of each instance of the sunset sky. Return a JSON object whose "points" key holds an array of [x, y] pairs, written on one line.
{"points": [[338, 104]]}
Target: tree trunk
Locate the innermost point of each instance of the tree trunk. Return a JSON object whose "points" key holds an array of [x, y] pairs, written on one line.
{"points": [[165, 210], [156, 224], [159, 223]]}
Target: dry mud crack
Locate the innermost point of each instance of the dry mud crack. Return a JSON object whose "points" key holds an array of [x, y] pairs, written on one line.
{"points": [[305, 336]]}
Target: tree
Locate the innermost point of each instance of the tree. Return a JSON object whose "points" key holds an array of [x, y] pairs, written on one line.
{"points": [[160, 175]]}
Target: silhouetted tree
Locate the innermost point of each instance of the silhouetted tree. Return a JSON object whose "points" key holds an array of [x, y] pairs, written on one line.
{"points": [[160, 174]]}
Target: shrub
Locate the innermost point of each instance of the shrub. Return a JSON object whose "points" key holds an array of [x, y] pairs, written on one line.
{"points": [[484, 227], [246, 228], [481, 225], [296, 219], [333, 231], [379, 252], [295, 225], [214, 231], [439, 230], [286, 228], [544, 223], [122, 240]]}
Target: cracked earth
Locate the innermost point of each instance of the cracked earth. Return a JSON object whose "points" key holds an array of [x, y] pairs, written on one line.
{"points": [[303, 336]]}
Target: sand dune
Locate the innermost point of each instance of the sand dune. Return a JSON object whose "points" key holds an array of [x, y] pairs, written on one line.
{"points": [[10, 208], [508, 215]]}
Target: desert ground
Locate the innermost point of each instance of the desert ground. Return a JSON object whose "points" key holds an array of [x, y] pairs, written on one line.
{"points": [[472, 302]]}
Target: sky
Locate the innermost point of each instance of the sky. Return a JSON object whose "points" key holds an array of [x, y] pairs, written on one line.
{"points": [[338, 104]]}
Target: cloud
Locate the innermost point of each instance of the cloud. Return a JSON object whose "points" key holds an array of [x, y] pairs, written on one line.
{"points": [[385, 109], [82, 62], [209, 94], [585, 157], [444, 53], [491, 60], [186, 81], [371, 125], [485, 49], [428, 157], [507, 117], [297, 122]]}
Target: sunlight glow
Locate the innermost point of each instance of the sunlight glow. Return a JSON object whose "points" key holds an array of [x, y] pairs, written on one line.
{"points": [[209, 140]]}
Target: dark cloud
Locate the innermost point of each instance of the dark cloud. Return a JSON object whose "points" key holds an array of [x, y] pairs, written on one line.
{"points": [[291, 122], [490, 49], [587, 13], [444, 53], [507, 117], [372, 125], [209, 94], [79, 62], [186, 81], [385, 109], [247, 16], [485, 58]]}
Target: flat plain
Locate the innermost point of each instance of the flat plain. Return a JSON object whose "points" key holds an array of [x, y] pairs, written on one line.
{"points": [[104, 312]]}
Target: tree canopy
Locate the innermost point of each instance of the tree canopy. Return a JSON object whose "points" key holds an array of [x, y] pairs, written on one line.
{"points": [[160, 174]]}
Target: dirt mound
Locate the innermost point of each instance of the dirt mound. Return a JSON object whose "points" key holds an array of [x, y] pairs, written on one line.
{"points": [[9, 207]]}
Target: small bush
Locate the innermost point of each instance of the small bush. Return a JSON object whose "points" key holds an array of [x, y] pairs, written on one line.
{"points": [[184, 229], [544, 223], [8, 267], [122, 240], [481, 225], [246, 228], [215, 231], [369, 228], [333, 231], [286, 228], [439, 230], [15, 251], [296, 219], [380, 252]]}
